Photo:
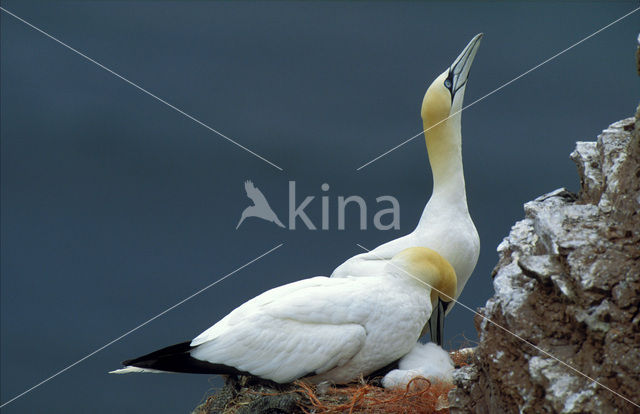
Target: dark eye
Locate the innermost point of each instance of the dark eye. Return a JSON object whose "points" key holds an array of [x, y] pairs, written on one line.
{"points": [[447, 83]]}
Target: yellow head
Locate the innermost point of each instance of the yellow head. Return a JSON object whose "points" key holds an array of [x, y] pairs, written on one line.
{"points": [[429, 269], [436, 105], [445, 95]]}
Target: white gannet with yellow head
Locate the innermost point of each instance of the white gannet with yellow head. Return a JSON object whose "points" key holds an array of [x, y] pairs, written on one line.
{"points": [[320, 329], [445, 225]]}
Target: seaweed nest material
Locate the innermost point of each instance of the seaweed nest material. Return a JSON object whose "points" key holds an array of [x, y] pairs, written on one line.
{"points": [[244, 395]]}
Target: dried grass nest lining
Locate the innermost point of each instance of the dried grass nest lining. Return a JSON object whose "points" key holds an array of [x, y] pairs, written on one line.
{"points": [[252, 395], [420, 396]]}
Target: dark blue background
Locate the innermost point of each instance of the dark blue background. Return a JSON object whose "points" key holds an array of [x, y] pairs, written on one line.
{"points": [[115, 207]]}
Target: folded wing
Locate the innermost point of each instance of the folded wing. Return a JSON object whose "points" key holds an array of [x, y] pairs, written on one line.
{"points": [[287, 333]]}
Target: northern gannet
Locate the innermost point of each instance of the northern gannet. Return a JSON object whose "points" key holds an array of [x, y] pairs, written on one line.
{"points": [[324, 329], [445, 225]]}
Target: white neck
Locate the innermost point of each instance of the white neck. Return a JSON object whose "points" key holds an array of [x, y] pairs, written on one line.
{"points": [[444, 144]]}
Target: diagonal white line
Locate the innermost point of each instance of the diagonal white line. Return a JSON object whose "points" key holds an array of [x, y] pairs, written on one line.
{"points": [[504, 329], [141, 89], [500, 87], [141, 325]]}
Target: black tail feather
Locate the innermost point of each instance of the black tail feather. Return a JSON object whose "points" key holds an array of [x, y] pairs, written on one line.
{"points": [[177, 358]]}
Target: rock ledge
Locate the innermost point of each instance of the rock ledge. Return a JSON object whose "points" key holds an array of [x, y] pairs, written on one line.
{"points": [[568, 282]]}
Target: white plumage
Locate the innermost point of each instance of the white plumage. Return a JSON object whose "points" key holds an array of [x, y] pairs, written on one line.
{"points": [[424, 360], [321, 328], [336, 329], [445, 225]]}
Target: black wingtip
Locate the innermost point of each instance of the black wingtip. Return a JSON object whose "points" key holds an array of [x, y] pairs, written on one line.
{"points": [[177, 358]]}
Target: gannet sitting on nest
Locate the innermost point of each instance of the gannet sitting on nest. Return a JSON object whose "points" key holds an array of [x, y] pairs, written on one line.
{"points": [[445, 225], [324, 329]]}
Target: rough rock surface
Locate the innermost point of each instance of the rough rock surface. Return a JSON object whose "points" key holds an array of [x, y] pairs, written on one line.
{"points": [[567, 282]]}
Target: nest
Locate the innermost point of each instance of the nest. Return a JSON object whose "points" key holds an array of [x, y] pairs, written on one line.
{"points": [[251, 395], [420, 396]]}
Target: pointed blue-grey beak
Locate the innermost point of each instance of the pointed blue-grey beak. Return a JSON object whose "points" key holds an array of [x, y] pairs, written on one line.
{"points": [[459, 70]]}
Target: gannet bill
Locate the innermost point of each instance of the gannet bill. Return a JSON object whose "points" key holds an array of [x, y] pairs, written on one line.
{"points": [[445, 225], [324, 329]]}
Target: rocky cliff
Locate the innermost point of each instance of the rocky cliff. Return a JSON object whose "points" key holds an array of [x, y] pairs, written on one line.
{"points": [[568, 283]]}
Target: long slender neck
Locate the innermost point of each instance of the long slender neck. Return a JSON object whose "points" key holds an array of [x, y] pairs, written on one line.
{"points": [[444, 144]]}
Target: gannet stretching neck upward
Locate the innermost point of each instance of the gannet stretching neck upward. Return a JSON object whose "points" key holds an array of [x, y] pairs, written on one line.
{"points": [[321, 328], [445, 225]]}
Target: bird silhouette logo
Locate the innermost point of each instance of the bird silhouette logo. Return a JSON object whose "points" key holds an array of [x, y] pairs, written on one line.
{"points": [[260, 207]]}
